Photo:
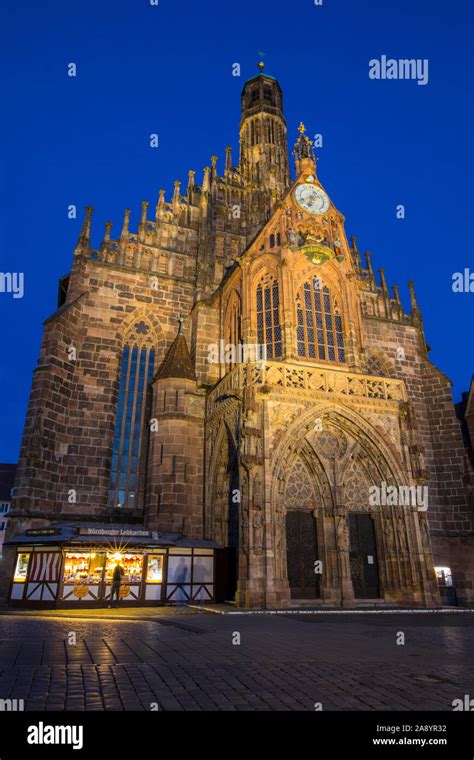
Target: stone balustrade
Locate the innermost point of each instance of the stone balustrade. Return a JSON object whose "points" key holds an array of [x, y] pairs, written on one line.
{"points": [[330, 382]]}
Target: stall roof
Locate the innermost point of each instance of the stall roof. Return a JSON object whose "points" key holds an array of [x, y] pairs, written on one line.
{"points": [[73, 534]]}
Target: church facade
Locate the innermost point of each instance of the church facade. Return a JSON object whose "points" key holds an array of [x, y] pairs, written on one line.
{"points": [[290, 417]]}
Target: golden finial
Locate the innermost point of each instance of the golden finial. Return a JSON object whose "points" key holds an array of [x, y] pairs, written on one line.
{"points": [[261, 65], [303, 147]]}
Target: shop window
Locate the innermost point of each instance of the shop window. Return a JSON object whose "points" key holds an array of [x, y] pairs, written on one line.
{"points": [[132, 565], [130, 438], [444, 576], [155, 568], [21, 568], [83, 567]]}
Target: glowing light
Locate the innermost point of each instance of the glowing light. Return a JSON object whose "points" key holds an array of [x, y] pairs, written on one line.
{"points": [[117, 556]]}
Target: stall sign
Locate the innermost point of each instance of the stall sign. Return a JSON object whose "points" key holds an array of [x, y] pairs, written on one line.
{"points": [[116, 532]]}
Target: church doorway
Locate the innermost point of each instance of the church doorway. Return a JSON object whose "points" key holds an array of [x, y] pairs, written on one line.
{"points": [[302, 553], [363, 557]]}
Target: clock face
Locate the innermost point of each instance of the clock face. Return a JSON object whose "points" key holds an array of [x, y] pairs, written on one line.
{"points": [[312, 199]]}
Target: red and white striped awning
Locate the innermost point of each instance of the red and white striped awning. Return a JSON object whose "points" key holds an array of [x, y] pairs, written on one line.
{"points": [[45, 566]]}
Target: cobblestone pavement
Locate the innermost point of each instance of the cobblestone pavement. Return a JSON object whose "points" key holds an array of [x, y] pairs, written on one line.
{"points": [[183, 660]]}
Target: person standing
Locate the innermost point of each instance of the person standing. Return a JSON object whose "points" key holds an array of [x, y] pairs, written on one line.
{"points": [[116, 581]]}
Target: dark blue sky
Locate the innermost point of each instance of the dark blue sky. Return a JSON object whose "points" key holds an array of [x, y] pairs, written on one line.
{"points": [[168, 69]]}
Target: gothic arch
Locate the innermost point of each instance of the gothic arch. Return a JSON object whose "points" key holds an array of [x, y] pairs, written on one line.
{"points": [[306, 486], [356, 481], [233, 319], [221, 464], [370, 441], [330, 278], [150, 320], [379, 364]]}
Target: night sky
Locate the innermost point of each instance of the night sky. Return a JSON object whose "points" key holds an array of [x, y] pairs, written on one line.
{"points": [[167, 69]]}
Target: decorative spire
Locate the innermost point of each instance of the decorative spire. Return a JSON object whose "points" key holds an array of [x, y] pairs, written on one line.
{"points": [[108, 227], [396, 294], [143, 220], [383, 281], [355, 250], [414, 305], [126, 220], [177, 196], [190, 187], [213, 168], [177, 362], [228, 160], [85, 234], [303, 146], [206, 181], [160, 205], [368, 265]]}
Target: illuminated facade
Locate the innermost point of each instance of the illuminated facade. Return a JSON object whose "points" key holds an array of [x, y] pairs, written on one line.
{"points": [[278, 459]]}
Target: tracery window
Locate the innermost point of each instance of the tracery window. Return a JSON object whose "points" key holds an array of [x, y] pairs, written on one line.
{"points": [[376, 366], [319, 323], [133, 409], [268, 317]]}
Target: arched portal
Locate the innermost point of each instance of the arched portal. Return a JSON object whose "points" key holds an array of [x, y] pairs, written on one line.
{"points": [[367, 550]]}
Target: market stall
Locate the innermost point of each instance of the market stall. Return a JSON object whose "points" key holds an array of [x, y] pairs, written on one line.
{"points": [[68, 565]]}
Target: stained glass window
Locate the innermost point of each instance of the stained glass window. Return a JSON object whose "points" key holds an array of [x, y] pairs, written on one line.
{"points": [[319, 331], [268, 318], [131, 429]]}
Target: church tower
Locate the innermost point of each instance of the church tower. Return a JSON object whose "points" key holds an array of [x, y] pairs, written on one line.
{"points": [[263, 144]]}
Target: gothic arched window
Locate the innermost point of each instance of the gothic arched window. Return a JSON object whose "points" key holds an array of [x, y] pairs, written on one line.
{"points": [[268, 317], [131, 429], [319, 323], [233, 332]]}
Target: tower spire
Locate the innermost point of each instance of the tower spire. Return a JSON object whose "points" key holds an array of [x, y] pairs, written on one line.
{"points": [[263, 160]]}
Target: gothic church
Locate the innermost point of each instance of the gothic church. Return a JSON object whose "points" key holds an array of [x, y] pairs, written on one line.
{"points": [[275, 457]]}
